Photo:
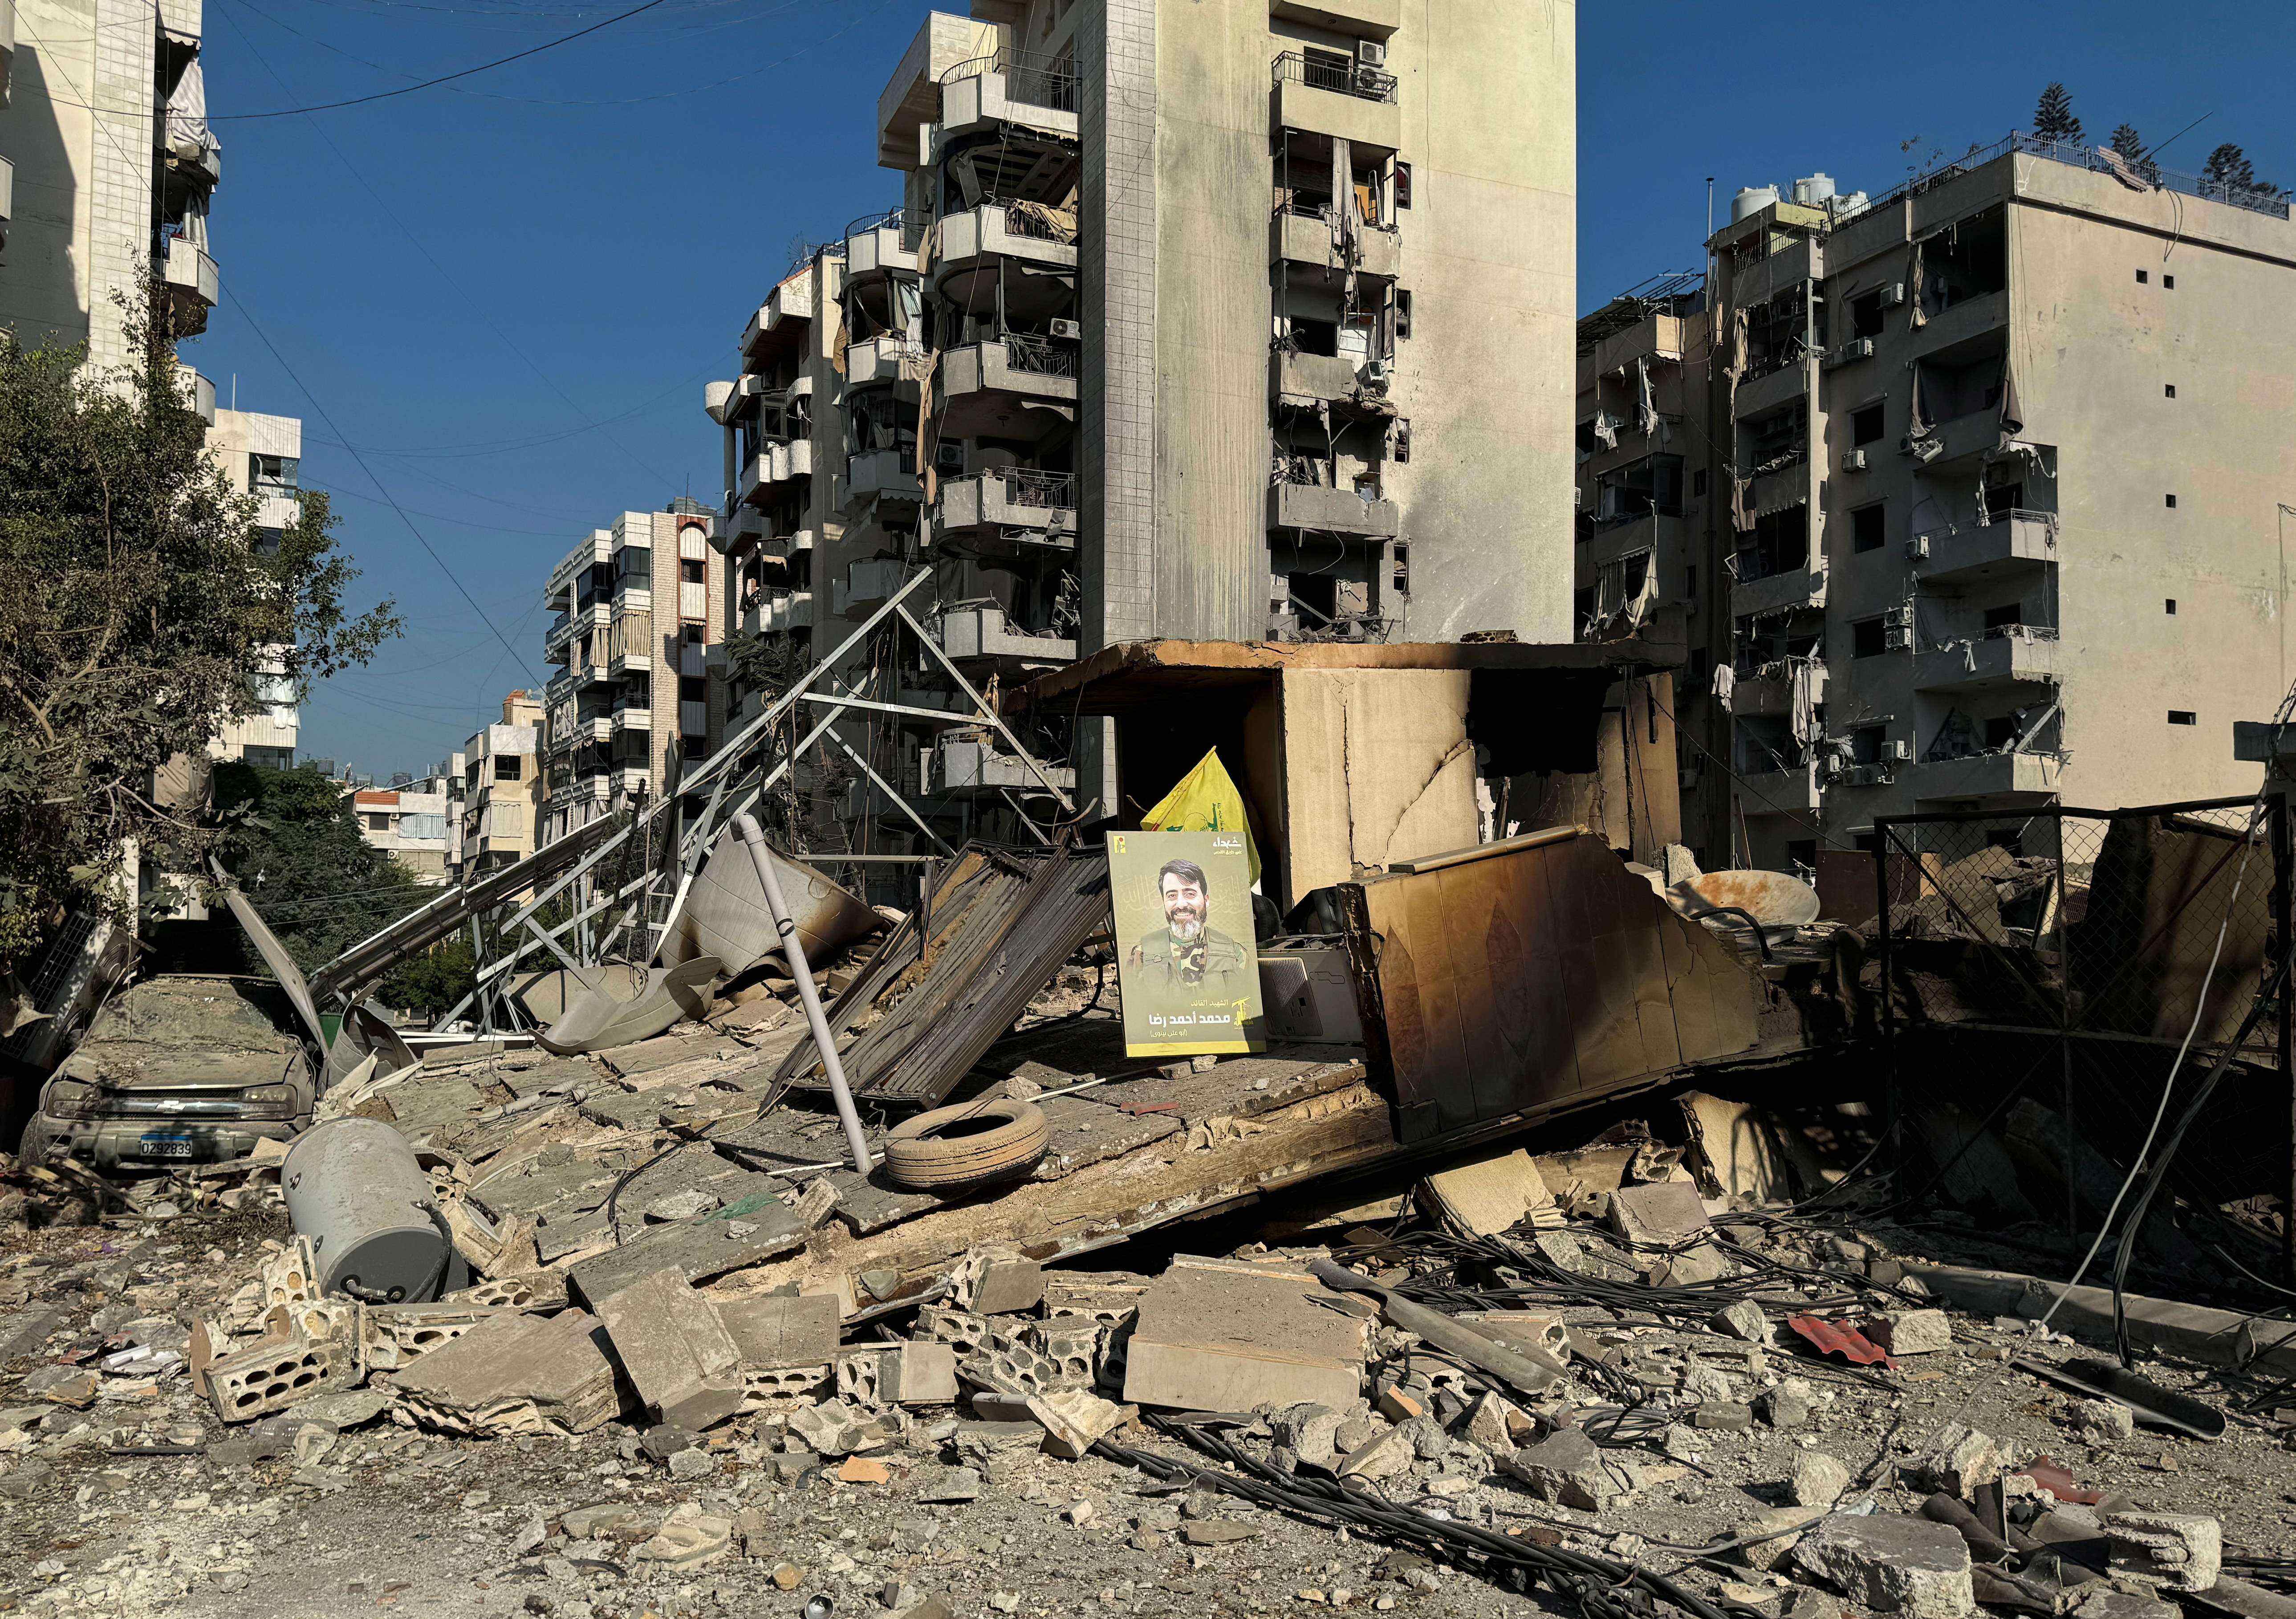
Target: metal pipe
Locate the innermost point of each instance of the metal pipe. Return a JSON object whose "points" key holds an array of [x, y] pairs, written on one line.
{"points": [[762, 857]]}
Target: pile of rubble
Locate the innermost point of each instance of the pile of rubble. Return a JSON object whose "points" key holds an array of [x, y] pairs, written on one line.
{"points": [[1581, 1373]]}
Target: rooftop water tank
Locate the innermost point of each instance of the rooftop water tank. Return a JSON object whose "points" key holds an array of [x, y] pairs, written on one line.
{"points": [[1751, 200], [1813, 190]]}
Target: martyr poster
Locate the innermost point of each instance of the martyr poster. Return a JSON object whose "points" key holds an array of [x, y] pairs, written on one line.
{"points": [[1185, 965]]}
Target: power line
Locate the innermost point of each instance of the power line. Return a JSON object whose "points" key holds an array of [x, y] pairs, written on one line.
{"points": [[292, 376]]}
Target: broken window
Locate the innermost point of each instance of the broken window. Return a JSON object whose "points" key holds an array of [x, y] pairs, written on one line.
{"points": [[1866, 527], [1967, 259], [1945, 390], [1865, 314], [1866, 424], [1869, 745], [1779, 439], [1777, 543], [1652, 484], [2004, 616], [1867, 639], [1778, 332]]}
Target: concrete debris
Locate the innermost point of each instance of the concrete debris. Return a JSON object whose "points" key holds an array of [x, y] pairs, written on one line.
{"points": [[1572, 1469], [1911, 1332], [675, 1350], [1960, 1461], [516, 1374], [1818, 1480], [1214, 1335], [1888, 1564], [2165, 1550], [1492, 1197]]}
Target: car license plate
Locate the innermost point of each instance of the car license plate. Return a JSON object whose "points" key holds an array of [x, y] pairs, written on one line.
{"points": [[167, 1147]]}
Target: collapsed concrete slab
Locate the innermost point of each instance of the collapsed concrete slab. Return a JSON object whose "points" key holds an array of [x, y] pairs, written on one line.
{"points": [[1222, 1336], [516, 1374], [676, 1353]]}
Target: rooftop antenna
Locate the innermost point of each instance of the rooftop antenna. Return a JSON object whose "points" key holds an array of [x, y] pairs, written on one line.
{"points": [[1710, 205], [2154, 150]]}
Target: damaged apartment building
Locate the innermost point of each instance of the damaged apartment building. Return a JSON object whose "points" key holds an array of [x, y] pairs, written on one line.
{"points": [[1166, 337], [1967, 496]]}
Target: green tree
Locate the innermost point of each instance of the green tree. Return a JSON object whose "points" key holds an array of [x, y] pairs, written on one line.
{"points": [[136, 606], [435, 980], [2130, 146], [2052, 116], [2228, 167], [291, 842]]}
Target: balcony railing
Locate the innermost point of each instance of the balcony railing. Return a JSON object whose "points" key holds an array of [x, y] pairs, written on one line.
{"points": [[910, 222], [2096, 161], [1026, 351], [1030, 77], [1027, 487], [1341, 77]]}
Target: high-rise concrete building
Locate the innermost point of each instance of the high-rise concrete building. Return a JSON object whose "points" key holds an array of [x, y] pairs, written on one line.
{"points": [[502, 788], [1229, 321], [262, 457], [408, 822], [638, 607], [1987, 504], [106, 167]]}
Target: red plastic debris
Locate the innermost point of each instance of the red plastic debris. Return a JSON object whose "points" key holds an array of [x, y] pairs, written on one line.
{"points": [[1840, 1338], [2051, 1477]]}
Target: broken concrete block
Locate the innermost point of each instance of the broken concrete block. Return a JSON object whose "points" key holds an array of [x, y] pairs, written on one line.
{"points": [[1491, 1198], [675, 1350], [1669, 1215], [1568, 1468], [268, 1377], [1818, 1480], [966, 1332], [988, 1283], [2099, 1600], [2169, 1551], [1962, 1460], [1911, 1332], [1892, 1565], [696, 1249], [1498, 1424], [1074, 1420], [1724, 1416], [1531, 1329], [1109, 1301], [835, 1428], [1783, 1408], [766, 1386], [1218, 1336], [516, 1374], [1745, 1321], [1772, 1532], [2104, 1419], [1073, 1347], [688, 1537], [1383, 1456], [1310, 1431], [897, 1374], [781, 1329]]}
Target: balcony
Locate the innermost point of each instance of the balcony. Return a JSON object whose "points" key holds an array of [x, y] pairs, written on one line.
{"points": [[1018, 503], [984, 635], [1347, 382], [277, 509], [745, 529], [1962, 440], [2015, 542], [886, 359], [1972, 318], [1985, 775], [198, 392], [772, 612], [566, 627], [1768, 693], [911, 98], [630, 646], [783, 548], [192, 284], [1370, 18], [878, 245], [1020, 387], [1022, 90], [1308, 241], [1341, 100], [962, 766], [773, 468], [631, 717], [1661, 532], [1312, 506], [2008, 655], [1764, 394], [558, 591], [780, 321], [887, 475], [1794, 587], [1790, 792], [1032, 247]]}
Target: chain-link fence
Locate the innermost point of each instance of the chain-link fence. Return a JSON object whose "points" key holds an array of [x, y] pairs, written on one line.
{"points": [[2045, 967]]}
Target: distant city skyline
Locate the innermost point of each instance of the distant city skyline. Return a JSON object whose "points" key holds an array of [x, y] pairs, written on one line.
{"points": [[637, 185]]}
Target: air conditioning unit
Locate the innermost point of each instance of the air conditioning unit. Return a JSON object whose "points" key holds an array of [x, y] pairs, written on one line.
{"points": [[1856, 349], [1899, 618], [1897, 637], [1373, 375], [1865, 776], [1893, 294], [1917, 548], [1072, 330], [1899, 751], [1370, 54], [1854, 461]]}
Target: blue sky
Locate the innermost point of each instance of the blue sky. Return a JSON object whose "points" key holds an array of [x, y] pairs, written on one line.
{"points": [[508, 292]]}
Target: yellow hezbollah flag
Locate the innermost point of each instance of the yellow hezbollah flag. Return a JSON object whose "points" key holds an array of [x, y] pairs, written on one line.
{"points": [[1207, 800]]}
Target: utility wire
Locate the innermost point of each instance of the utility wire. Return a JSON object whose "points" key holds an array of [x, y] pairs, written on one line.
{"points": [[333, 426]]}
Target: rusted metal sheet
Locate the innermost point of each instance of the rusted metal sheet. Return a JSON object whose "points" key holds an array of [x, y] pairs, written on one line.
{"points": [[928, 1009], [1518, 980]]}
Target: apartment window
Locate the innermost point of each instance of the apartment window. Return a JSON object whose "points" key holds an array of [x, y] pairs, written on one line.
{"points": [[1802, 852], [1865, 527], [378, 823], [506, 767], [2169, 284], [2168, 390], [1867, 742], [1866, 424], [1402, 314], [2001, 731], [1698, 481], [1865, 640], [1403, 185], [692, 689], [2004, 615], [2172, 606], [693, 572], [691, 634], [1865, 314], [691, 748], [2141, 278], [2172, 503], [2183, 717]]}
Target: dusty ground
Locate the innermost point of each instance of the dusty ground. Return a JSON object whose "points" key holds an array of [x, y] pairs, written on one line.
{"points": [[385, 1516]]}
